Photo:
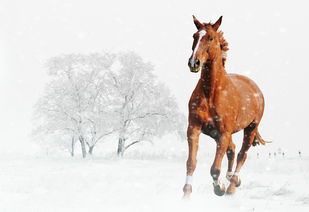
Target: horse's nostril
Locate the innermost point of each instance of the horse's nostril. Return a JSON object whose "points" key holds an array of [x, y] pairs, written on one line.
{"points": [[197, 63], [194, 63]]}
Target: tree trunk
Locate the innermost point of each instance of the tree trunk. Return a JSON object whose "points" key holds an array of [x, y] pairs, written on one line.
{"points": [[83, 145], [90, 150], [121, 147], [73, 146]]}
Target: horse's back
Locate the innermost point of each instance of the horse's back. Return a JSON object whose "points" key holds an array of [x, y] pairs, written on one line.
{"points": [[245, 82]]}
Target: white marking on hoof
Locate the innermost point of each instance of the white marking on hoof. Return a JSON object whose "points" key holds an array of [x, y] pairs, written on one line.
{"points": [[217, 183], [189, 179], [229, 175], [236, 174]]}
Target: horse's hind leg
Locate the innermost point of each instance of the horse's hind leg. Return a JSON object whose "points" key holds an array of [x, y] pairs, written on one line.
{"points": [[193, 134], [249, 135], [230, 153]]}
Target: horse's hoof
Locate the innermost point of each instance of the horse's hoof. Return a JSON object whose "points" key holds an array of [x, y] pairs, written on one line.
{"points": [[236, 180], [187, 190], [231, 189], [186, 196], [238, 183], [219, 190]]}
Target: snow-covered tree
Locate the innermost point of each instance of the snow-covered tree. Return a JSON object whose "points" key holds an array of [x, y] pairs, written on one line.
{"points": [[75, 102], [92, 96], [145, 108]]}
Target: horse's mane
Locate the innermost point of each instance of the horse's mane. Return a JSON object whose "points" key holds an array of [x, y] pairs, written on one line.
{"points": [[223, 43], [224, 46]]}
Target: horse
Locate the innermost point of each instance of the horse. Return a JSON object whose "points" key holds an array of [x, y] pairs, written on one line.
{"points": [[220, 105]]}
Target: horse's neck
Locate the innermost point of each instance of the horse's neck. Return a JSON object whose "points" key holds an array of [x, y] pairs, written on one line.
{"points": [[212, 76]]}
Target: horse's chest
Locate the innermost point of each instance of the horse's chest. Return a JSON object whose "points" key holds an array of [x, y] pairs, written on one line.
{"points": [[209, 119], [202, 112]]}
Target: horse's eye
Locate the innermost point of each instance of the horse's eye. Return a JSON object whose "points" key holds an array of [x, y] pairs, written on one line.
{"points": [[210, 38]]}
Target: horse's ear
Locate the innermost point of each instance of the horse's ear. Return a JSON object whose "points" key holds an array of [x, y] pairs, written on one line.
{"points": [[198, 24], [216, 25]]}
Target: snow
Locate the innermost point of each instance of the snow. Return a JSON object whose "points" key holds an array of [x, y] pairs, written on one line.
{"points": [[261, 46], [99, 184]]}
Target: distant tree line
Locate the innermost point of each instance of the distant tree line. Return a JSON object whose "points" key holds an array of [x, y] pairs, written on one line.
{"points": [[92, 96]]}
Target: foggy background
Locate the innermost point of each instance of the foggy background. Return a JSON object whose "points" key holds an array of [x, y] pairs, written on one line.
{"points": [[268, 42]]}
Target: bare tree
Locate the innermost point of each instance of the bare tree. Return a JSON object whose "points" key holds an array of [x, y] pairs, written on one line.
{"points": [[92, 96], [145, 108], [74, 102]]}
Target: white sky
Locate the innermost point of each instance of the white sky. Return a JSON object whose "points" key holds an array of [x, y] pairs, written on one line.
{"points": [[268, 42]]}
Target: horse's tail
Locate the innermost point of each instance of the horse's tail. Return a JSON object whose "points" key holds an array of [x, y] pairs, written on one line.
{"points": [[259, 140]]}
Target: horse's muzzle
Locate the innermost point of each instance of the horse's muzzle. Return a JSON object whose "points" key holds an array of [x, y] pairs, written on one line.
{"points": [[194, 65], [194, 70]]}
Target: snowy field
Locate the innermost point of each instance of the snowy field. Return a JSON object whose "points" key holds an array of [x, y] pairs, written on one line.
{"points": [[262, 46], [98, 184]]}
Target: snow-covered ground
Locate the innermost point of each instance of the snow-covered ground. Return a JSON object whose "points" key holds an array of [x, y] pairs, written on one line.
{"points": [[99, 184]]}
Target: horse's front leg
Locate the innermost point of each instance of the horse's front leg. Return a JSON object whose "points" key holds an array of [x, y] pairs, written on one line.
{"points": [[222, 145], [193, 134]]}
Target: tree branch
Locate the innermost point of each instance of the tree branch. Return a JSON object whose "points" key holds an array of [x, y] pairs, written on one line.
{"points": [[105, 134], [147, 114], [131, 144]]}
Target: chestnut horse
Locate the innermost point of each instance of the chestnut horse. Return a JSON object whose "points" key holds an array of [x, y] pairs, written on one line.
{"points": [[220, 105]]}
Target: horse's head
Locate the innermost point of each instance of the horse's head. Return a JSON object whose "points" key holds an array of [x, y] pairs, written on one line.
{"points": [[206, 44]]}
